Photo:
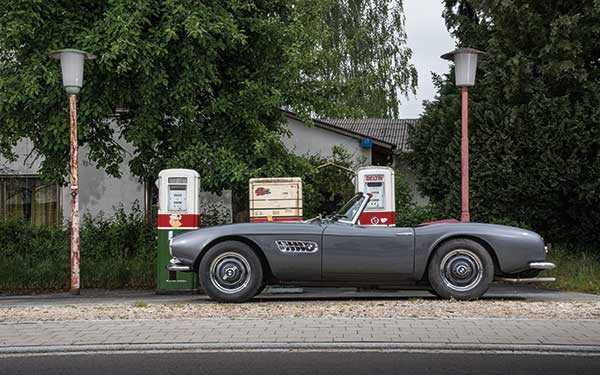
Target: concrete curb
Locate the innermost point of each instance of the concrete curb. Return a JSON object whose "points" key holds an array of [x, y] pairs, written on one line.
{"points": [[304, 346]]}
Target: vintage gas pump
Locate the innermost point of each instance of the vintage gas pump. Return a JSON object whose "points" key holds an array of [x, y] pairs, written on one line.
{"points": [[178, 211], [275, 199], [379, 182]]}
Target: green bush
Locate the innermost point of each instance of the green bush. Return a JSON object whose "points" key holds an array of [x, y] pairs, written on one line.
{"points": [[412, 215], [408, 213], [215, 213], [509, 222], [118, 251], [327, 188]]}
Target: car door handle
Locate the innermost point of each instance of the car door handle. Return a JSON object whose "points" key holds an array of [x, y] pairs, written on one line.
{"points": [[404, 234]]}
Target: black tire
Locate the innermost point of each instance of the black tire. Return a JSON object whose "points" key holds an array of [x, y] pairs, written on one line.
{"points": [[461, 269], [230, 272], [260, 290]]}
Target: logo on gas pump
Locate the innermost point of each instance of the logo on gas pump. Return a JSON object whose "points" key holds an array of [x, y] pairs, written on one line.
{"points": [[175, 220], [262, 191]]}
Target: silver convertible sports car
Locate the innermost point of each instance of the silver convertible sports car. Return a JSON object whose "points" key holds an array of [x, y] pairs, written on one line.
{"points": [[460, 260]]}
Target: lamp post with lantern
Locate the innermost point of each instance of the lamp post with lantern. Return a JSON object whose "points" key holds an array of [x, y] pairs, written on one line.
{"points": [[465, 61], [71, 63]]}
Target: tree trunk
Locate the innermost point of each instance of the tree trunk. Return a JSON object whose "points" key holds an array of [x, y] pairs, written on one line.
{"points": [[240, 205]]}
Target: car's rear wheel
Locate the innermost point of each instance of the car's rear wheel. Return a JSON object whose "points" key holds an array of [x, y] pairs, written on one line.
{"points": [[230, 272], [461, 269]]}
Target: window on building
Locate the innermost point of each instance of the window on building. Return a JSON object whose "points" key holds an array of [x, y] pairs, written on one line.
{"points": [[28, 198]]}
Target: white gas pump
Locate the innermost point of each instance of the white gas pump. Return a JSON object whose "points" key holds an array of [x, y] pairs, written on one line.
{"points": [[178, 211], [178, 203], [275, 199], [379, 182]]}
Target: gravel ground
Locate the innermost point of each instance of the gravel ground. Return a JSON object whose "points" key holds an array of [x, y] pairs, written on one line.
{"points": [[411, 308]]}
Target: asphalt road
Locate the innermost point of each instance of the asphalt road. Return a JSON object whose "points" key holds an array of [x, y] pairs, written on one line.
{"points": [[128, 296], [346, 363]]}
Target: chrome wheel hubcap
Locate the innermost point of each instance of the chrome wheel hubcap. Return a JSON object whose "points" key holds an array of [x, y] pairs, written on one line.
{"points": [[461, 270], [230, 272]]}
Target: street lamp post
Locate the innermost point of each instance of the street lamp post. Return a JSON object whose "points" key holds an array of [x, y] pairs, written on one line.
{"points": [[465, 61], [71, 63]]}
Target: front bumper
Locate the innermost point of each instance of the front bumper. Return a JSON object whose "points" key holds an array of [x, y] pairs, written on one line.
{"points": [[176, 265]]}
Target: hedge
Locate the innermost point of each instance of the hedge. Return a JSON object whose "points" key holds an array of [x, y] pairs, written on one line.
{"points": [[117, 251]]}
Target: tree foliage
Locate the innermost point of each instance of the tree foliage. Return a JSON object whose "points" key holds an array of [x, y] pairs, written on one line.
{"points": [[365, 53], [326, 187], [188, 75], [191, 82], [534, 118]]}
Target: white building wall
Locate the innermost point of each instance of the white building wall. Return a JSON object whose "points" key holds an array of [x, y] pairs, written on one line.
{"points": [[99, 192], [27, 163], [316, 140]]}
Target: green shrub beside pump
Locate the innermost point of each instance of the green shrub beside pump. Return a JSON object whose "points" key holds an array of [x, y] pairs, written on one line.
{"points": [[119, 252]]}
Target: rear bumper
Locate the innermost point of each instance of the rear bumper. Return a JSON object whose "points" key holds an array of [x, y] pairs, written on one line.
{"points": [[542, 265], [532, 266]]}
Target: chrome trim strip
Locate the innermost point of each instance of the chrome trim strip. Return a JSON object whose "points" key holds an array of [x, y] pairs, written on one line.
{"points": [[530, 280], [361, 209], [180, 268], [542, 265]]}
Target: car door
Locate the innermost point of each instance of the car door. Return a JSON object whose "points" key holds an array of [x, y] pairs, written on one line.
{"points": [[355, 252]]}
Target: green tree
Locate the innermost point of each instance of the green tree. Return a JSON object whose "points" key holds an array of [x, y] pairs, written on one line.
{"points": [[172, 78], [194, 83], [364, 52], [534, 118], [326, 187]]}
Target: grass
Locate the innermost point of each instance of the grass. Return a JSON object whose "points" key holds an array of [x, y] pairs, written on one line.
{"points": [[140, 304], [576, 269]]}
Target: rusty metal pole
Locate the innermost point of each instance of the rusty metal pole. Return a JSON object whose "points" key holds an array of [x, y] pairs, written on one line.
{"points": [[464, 155], [75, 256]]}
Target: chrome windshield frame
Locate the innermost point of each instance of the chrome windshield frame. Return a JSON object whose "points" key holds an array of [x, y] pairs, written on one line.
{"points": [[365, 200]]}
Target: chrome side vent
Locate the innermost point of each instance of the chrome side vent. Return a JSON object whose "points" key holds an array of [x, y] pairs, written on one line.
{"points": [[289, 246]]}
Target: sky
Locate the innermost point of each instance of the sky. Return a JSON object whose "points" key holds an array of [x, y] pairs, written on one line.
{"points": [[428, 38]]}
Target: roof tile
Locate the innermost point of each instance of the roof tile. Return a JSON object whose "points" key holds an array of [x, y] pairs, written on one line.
{"points": [[394, 131]]}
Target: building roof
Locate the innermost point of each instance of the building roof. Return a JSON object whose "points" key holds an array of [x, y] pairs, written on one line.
{"points": [[325, 124], [394, 131]]}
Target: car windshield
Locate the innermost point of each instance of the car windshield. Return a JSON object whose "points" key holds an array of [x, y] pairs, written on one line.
{"points": [[347, 212]]}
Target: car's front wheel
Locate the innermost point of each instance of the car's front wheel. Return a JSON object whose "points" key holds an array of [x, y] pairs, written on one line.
{"points": [[461, 269], [230, 272]]}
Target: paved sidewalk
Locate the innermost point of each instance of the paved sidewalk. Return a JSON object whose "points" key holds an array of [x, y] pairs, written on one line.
{"points": [[478, 334]]}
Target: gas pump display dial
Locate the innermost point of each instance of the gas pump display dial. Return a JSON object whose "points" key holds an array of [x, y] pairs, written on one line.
{"points": [[374, 186], [177, 198]]}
